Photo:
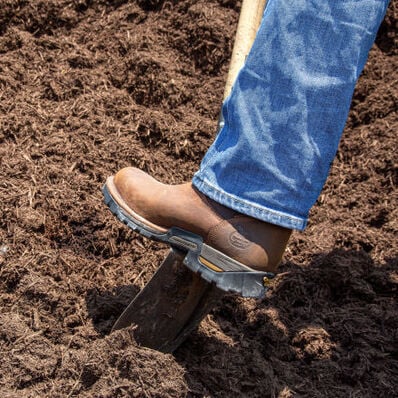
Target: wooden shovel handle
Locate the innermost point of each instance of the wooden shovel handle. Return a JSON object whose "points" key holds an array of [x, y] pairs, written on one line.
{"points": [[249, 20]]}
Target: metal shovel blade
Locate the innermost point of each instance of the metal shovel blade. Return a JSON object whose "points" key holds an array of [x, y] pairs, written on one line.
{"points": [[170, 306]]}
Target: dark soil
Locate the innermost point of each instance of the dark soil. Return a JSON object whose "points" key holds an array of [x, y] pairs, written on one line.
{"points": [[90, 86]]}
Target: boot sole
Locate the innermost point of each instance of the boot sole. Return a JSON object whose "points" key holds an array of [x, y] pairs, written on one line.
{"points": [[212, 265]]}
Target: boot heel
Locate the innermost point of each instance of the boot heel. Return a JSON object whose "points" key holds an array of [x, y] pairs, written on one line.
{"points": [[227, 274]]}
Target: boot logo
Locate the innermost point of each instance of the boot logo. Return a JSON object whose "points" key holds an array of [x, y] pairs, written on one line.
{"points": [[238, 241]]}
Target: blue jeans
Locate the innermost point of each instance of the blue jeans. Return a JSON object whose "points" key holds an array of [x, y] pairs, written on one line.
{"points": [[287, 109]]}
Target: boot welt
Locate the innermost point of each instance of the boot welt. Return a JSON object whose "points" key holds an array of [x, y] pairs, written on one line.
{"points": [[213, 266]]}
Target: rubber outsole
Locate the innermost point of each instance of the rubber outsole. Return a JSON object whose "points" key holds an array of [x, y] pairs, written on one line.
{"points": [[213, 266]]}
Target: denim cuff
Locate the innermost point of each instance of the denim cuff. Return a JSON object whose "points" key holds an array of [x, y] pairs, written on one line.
{"points": [[243, 206]]}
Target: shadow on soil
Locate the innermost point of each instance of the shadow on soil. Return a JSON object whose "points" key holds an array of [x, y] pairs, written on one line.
{"points": [[335, 319], [104, 308]]}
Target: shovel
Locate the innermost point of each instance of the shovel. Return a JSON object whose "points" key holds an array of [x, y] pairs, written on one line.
{"points": [[176, 299]]}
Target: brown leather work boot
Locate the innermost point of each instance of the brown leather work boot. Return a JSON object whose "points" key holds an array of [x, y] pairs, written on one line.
{"points": [[217, 239]]}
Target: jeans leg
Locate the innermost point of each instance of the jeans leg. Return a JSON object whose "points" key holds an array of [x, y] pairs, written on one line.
{"points": [[287, 109]]}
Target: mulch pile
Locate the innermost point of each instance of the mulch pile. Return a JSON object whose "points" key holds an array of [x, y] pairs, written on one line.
{"points": [[90, 86]]}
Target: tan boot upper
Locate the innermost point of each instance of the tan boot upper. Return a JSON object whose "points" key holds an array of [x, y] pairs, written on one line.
{"points": [[255, 243]]}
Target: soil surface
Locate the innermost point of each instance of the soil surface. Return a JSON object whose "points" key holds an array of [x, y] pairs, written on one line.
{"points": [[90, 86]]}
